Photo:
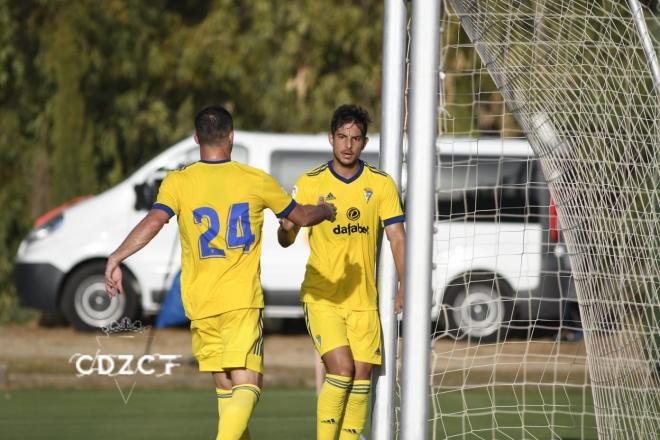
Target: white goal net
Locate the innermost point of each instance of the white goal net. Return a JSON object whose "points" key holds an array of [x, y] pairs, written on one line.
{"points": [[547, 198]]}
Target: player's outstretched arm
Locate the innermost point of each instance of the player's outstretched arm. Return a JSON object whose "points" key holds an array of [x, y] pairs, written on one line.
{"points": [[396, 234], [138, 238], [304, 215], [310, 215]]}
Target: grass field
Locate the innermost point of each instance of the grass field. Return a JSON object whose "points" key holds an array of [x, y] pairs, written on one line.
{"points": [[282, 414]]}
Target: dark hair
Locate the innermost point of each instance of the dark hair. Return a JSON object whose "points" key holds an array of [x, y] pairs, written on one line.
{"points": [[348, 113], [213, 124]]}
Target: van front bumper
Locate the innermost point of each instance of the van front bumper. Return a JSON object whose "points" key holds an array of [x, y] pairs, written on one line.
{"points": [[37, 284]]}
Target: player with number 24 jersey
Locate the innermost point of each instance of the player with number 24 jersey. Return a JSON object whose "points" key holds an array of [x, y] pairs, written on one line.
{"points": [[219, 206], [221, 232]]}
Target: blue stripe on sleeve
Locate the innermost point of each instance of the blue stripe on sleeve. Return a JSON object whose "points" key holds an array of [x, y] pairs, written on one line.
{"points": [[397, 219], [287, 210], [162, 207]]}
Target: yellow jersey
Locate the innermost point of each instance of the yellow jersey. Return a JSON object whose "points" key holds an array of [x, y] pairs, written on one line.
{"points": [[342, 261], [219, 207]]}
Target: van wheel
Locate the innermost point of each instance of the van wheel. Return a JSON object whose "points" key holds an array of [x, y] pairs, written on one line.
{"points": [[478, 310], [85, 303]]}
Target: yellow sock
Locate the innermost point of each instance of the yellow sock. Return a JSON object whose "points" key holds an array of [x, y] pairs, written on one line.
{"points": [[332, 400], [355, 415], [235, 412], [224, 396]]}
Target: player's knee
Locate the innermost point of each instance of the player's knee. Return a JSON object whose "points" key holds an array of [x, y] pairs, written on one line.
{"points": [[343, 368], [340, 362], [348, 371], [222, 380], [363, 371], [241, 376]]}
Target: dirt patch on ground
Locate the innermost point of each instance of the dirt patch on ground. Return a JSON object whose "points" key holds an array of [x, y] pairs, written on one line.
{"points": [[540, 361], [33, 356]]}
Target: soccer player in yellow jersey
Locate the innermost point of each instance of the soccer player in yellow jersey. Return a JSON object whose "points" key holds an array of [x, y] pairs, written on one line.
{"points": [[219, 206], [339, 291]]}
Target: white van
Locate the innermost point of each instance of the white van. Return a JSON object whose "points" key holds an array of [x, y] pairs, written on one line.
{"points": [[498, 257], [61, 262], [478, 264]]}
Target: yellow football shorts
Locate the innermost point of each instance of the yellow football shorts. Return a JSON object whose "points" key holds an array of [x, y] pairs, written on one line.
{"points": [[331, 327], [230, 340]]}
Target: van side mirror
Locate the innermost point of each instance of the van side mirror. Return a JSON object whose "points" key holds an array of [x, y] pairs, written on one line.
{"points": [[145, 195]]}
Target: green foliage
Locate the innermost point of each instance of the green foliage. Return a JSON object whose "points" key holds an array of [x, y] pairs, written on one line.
{"points": [[90, 90]]}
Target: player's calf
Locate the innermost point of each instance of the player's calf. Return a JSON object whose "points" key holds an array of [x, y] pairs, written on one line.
{"points": [[357, 407], [332, 400]]}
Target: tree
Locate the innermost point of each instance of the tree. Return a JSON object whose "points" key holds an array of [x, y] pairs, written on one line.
{"points": [[90, 90]]}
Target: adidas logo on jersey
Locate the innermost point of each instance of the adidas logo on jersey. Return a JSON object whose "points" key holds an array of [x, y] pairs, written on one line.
{"points": [[351, 228], [330, 196]]}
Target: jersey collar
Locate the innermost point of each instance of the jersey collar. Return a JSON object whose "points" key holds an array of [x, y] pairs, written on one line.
{"points": [[343, 179], [216, 161]]}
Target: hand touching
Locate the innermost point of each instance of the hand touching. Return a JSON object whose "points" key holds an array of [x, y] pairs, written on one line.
{"points": [[331, 209]]}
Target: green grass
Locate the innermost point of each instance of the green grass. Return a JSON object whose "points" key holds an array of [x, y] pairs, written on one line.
{"points": [[502, 412], [282, 414], [149, 414]]}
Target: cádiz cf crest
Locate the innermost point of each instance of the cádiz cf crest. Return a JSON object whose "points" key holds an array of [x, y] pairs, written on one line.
{"points": [[368, 192]]}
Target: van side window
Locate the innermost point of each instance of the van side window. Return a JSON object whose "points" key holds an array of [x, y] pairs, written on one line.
{"points": [[492, 189], [288, 166], [239, 154]]}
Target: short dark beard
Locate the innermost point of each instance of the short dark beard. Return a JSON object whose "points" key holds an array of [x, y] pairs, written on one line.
{"points": [[356, 161]]}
